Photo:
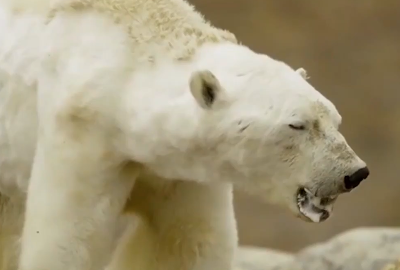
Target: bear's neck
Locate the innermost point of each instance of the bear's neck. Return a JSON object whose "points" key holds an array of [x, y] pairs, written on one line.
{"points": [[163, 117], [161, 114]]}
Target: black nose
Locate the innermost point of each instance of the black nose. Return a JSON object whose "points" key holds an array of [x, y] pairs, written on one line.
{"points": [[352, 181]]}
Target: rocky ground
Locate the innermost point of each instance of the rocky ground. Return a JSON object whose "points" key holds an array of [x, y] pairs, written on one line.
{"points": [[359, 249]]}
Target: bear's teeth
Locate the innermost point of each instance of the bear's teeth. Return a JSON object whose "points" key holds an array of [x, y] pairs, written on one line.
{"points": [[310, 213], [310, 206]]}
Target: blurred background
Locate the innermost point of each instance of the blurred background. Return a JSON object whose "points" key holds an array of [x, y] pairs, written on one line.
{"points": [[351, 51]]}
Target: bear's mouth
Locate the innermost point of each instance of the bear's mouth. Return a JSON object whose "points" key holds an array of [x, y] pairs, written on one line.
{"points": [[313, 208]]}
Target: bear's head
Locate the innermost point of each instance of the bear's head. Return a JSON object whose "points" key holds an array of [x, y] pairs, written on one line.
{"points": [[273, 135]]}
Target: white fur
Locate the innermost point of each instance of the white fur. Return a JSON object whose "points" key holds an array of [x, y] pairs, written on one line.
{"points": [[194, 229], [82, 119]]}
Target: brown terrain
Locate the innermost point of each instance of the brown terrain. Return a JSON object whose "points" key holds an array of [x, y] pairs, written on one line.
{"points": [[351, 50]]}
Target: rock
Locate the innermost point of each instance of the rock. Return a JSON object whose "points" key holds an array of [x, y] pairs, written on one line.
{"points": [[362, 249], [358, 249]]}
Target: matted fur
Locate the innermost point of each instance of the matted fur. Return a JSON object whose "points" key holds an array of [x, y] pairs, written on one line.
{"points": [[172, 27], [171, 24]]}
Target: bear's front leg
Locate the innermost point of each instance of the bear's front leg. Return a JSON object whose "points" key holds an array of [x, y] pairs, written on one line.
{"points": [[77, 189], [183, 226]]}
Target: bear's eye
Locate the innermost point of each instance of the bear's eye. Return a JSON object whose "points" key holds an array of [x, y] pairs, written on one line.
{"points": [[297, 126]]}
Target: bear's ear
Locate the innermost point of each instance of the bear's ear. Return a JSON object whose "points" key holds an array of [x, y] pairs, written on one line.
{"points": [[205, 88], [303, 73]]}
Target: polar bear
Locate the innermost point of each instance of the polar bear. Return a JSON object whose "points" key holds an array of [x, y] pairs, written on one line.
{"points": [[142, 106]]}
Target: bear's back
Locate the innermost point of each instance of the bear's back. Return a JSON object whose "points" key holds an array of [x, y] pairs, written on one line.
{"points": [[156, 27]]}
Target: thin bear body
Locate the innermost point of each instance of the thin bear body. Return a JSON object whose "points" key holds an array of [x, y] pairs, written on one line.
{"points": [[133, 106]]}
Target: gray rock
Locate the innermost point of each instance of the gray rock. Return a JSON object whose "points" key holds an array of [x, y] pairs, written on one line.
{"points": [[358, 249]]}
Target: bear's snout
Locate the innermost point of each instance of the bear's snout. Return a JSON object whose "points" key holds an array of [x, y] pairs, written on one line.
{"points": [[352, 181]]}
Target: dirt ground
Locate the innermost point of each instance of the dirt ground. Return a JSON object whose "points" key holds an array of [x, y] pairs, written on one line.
{"points": [[351, 50]]}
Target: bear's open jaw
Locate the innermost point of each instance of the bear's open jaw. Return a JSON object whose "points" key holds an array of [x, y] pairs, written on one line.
{"points": [[313, 208]]}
